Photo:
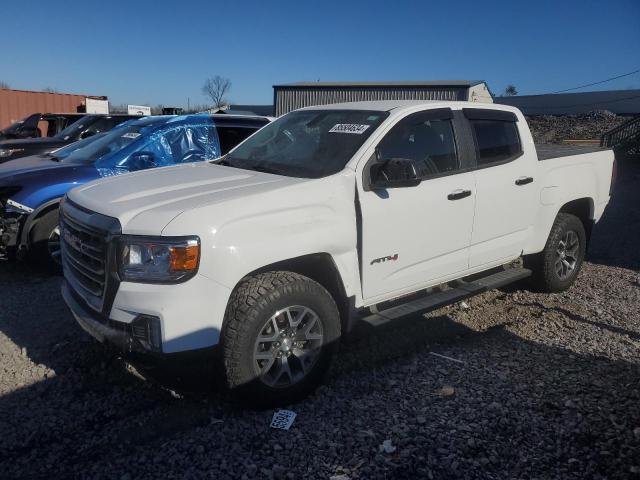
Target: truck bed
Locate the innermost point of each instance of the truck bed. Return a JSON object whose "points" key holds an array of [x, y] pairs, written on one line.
{"points": [[547, 151]]}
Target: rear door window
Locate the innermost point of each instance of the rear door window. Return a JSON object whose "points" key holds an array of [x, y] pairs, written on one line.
{"points": [[496, 141]]}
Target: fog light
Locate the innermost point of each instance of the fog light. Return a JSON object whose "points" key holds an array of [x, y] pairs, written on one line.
{"points": [[147, 330]]}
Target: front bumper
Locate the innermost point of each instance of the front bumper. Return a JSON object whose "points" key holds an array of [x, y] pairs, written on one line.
{"points": [[188, 316], [99, 327]]}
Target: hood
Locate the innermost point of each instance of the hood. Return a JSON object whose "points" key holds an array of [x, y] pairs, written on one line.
{"points": [[21, 142], [28, 164], [41, 181], [145, 202], [30, 146]]}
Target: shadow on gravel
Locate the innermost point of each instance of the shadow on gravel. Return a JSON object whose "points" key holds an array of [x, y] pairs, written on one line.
{"points": [[616, 236], [514, 408]]}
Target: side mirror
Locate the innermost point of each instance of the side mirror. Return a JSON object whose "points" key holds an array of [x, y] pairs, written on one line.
{"points": [[87, 134], [141, 161], [393, 173]]}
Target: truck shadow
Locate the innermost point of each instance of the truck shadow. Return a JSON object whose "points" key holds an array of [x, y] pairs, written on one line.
{"points": [[615, 238]]}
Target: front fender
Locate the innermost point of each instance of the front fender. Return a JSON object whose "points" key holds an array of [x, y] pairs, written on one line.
{"points": [[244, 235]]}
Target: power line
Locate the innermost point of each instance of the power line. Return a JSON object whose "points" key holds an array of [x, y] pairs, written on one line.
{"points": [[597, 83]]}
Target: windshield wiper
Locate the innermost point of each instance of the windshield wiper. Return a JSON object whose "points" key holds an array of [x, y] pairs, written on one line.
{"points": [[257, 167]]}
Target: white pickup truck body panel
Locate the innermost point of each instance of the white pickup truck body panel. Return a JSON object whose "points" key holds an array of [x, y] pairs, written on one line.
{"points": [[248, 220]]}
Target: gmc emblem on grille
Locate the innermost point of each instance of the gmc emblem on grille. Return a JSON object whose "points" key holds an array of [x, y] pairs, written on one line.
{"points": [[73, 240]]}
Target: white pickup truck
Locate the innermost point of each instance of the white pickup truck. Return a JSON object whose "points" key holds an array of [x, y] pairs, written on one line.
{"points": [[328, 215]]}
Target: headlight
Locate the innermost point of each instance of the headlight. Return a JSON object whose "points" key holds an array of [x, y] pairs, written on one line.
{"points": [[7, 152], [158, 259]]}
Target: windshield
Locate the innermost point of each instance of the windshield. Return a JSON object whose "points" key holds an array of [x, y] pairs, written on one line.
{"points": [[30, 122], [62, 153], [112, 141], [76, 127], [306, 143]]}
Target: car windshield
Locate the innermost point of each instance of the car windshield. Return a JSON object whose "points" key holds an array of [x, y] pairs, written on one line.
{"points": [[61, 153], [113, 141], [306, 143], [76, 127]]}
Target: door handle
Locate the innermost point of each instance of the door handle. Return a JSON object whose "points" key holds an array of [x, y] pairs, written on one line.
{"points": [[524, 180], [458, 194]]}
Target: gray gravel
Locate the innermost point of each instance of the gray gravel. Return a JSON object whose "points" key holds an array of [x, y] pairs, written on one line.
{"points": [[586, 126], [548, 387]]}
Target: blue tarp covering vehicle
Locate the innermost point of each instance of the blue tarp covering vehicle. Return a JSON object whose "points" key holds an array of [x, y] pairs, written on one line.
{"points": [[31, 187]]}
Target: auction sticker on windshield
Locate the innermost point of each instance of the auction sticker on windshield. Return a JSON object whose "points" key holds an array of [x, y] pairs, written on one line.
{"points": [[349, 128]]}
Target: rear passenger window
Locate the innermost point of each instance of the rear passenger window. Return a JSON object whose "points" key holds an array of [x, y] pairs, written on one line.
{"points": [[429, 142], [496, 141]]}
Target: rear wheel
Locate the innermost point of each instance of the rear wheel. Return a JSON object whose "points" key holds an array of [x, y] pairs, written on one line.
{"points": [[45, 241], [557, 266], [280, 332]]}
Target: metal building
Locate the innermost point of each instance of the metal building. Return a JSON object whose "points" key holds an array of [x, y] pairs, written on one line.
{"points": [[291, 96], [620, 102]]}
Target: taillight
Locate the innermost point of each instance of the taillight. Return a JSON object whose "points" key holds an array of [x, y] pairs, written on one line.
{"points": [[614, 176]]}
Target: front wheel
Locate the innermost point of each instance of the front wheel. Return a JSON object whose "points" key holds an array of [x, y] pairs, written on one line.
{"points": [[280, 332], [557, 266]]}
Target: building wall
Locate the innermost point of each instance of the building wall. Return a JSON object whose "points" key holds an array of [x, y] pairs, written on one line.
{"points": [[17, 104], [288, 98], [480, 93]]}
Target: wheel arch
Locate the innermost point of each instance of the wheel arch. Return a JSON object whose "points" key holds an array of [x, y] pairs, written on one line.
{"points": [[34, 217], [583, 208], [322, 268]]}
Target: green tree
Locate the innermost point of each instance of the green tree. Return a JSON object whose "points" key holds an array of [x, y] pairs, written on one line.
{"points": [[510, 91]]}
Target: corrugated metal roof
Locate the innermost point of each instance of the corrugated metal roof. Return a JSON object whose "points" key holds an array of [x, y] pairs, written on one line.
{"points": [[403, 83], [622, 102]]}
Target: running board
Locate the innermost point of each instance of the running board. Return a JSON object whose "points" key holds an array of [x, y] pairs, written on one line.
{"points": [[459, 291]]}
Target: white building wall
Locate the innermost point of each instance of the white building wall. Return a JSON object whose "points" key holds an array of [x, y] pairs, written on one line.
{"points": [[480, 93]]}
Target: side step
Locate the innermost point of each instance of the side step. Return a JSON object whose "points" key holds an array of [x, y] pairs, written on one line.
{"points": [[460, 290]]}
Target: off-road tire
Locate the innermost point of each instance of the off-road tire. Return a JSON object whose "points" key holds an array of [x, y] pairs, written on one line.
{"points": [[39, 238], [254, 301], [545, 278]]}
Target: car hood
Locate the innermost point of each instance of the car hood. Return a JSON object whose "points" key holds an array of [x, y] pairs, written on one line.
{"points": [[145, 202], [43, 141], [29, 164]]}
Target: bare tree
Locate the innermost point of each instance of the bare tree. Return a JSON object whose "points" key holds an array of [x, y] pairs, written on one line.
{"points": [[4, 84], [50, 90], [216, 88], [510, 91]]}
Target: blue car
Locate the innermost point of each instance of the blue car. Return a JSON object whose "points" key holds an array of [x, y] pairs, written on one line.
{"points": [[32, 187]]}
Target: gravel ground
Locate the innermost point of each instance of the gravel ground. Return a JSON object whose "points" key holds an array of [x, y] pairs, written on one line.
{"points": [[544, 386], [588, 126]]}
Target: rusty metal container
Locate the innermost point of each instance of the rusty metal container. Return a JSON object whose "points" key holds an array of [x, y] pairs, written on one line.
{"points": [[17, 104]]}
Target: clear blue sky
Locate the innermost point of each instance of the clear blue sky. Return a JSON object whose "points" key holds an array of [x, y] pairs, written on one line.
{"points": [[150, 52]]}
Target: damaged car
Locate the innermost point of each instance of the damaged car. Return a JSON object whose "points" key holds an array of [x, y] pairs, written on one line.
{"points": [[31, 188]]}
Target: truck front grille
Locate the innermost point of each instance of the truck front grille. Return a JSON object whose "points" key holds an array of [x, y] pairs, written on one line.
{"points": [[84, 249]]}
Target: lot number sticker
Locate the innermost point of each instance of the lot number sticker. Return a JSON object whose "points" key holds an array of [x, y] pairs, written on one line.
{"points": [[349, 128], [283, 419]]}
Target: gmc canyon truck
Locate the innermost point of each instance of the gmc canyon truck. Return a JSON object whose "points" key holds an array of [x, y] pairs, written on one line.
{"points": [[327, 216]]}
